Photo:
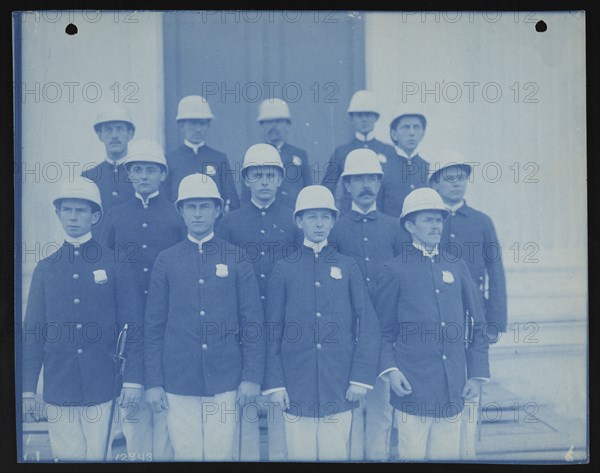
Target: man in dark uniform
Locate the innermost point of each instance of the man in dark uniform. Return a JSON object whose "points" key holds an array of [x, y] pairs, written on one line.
{"points": [[364, 113], [80, 298], [205, 346], [115, 129], [434, 351], [404, 170], [194, 118], [323, 336], [372, 238], [470, 235], [139, 230], [264, 229], [275, 120]]}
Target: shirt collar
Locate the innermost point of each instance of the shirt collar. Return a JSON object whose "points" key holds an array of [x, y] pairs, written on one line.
{"points": [[401, 152], [368, 137], [117, 162], [201, 242], [429, 254], [195, 147], [359, 210], [316, 247], [259, 206], [79, 240], [455, 207], [150, 196], [279, 146]]}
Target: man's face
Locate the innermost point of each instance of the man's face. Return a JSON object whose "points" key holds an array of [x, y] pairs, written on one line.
{"points": [[195, 131], [146, 177], [363, 122], [115, 136], [199, 216], [76, 216], [363, 188], [263, 182], [452, 184], [316, 224], [275, 131], [427, 227], [408, 134]]}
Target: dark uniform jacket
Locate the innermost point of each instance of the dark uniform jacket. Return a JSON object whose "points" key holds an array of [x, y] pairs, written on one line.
{"points": [[264, 235], [297, 174], [317, 308], [115, 187], [139, 232], [421, 303], [470, 235], [204, 320], [72, 323], [335, 167], [183, 162], [400, 177], [113, 182], [371, 239]]}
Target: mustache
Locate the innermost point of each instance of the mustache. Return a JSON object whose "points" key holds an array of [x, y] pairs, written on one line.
{"points": [[366, 192]]}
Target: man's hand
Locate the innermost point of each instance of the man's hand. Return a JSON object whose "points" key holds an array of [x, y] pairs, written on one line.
{"points": [[492, 334], [356, 393], [129, 396], [247, 392], [280, 397], [472, 389], [399, 383], [157, 398], [30, 410]]}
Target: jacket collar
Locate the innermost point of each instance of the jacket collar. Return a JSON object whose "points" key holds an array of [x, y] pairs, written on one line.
{"points": [[150, 196], [193, 146], [76, 242], [365, 138]]}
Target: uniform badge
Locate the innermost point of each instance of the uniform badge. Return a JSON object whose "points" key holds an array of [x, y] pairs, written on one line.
{"points": [[100, 276], [222, 270], [210, 170], [297, 161], [335, 272], [447, 277], [382, 158]]}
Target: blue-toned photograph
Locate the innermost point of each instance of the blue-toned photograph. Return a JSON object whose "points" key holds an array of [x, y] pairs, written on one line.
{"points": [[301, 236]]}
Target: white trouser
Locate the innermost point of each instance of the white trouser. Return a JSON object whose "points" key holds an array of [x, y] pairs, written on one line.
{"points": [[423, 438], [78, 433], [380, 417], [249, 442], [202, 428], [318, 438], [146, 433], [468, 429], [372, 425], [246, 444]]}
